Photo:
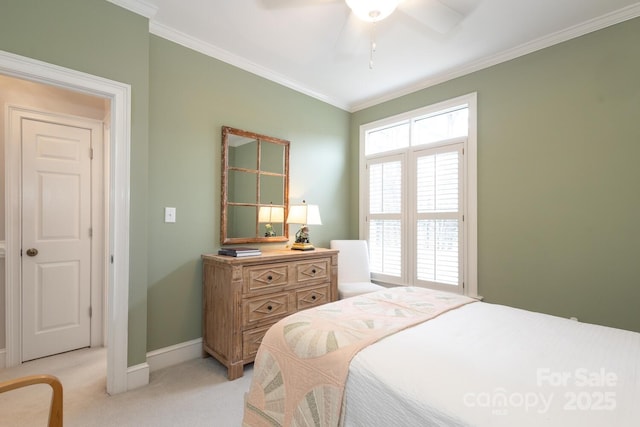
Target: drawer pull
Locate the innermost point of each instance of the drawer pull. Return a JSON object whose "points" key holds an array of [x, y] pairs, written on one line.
{"points": [[269, 308], [269, 278], [313, 271], [313, 297]]}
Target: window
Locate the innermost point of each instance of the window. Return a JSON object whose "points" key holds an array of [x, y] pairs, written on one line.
{"points": [[418, 196]]}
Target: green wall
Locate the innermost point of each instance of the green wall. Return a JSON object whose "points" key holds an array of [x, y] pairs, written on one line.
{"points": [[557, 181], [180, 100], [98, 38], [558, 176], [191, 97]]}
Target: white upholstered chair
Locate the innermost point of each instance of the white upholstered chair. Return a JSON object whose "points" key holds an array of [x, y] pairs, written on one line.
{"points": [[354, 276]]}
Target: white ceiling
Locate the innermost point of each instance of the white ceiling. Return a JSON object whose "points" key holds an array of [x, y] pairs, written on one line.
{"points": [[319, 48]]}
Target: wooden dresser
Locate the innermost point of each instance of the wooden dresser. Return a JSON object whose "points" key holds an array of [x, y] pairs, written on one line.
{"points": [[243, 297]]}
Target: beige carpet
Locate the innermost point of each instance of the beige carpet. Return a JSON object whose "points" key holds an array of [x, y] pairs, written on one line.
{"points": [[194, 393]]}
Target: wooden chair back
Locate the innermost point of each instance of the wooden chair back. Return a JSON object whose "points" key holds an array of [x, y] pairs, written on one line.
{"points": [[55, 411]]}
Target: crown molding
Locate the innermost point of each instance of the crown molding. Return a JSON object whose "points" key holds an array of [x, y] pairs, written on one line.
{"points": [[137, 6], [213, 51], [621, 15], [145, 9]]}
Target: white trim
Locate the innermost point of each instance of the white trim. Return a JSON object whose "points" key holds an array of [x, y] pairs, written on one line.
{"points": [[99, 230], [613, 18], [216, 52], [172, 355], [118, 274], [13, 343], [3, 249], [137, 376], [471, 201], [137, 6]]}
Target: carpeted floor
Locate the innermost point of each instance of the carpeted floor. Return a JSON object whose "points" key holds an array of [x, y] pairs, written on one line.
{"points": [[194, 393]]}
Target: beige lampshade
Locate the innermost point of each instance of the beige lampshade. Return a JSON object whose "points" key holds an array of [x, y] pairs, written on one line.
{"points": [[271, 214], [304, 214]]}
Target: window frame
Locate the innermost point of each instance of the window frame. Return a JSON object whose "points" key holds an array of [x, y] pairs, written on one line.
{"points": [[469, 195]]}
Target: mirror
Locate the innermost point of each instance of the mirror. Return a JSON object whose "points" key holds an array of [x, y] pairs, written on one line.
{"points": [[255, 188]]}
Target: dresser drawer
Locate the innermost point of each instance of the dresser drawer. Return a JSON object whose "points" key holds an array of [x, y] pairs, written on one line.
{"points": [[311, 297], [317, 270], [264, 309], [261, 277], [251, 341]]}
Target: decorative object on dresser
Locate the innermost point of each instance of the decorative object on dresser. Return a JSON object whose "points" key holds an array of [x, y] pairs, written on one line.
{"points": [[304, 215], [244, 296], [240, 251]]}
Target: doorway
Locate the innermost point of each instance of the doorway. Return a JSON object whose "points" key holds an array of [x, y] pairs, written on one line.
{"points": [[116, 230]]}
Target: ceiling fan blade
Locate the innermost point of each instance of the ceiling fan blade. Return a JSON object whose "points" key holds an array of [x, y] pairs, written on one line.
{"points": [[284, 4], [433, 14]]}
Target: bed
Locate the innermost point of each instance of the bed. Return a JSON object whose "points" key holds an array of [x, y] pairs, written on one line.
{"points": [[468, 363]]}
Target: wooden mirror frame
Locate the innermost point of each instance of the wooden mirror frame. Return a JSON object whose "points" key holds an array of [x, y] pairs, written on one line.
{"points": [[225, 203]]}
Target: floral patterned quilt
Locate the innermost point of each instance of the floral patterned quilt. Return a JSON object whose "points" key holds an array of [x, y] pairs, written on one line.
{"points": [[302, 365]]}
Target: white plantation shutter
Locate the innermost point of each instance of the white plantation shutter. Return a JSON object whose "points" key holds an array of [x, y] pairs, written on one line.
{"points": [[385, 187], [385, 225], [385, 255], [438, 217], [438, 251], [437, 182], [418, 196]]}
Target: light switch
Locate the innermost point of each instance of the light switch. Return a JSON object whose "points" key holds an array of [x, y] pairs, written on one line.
{"points": [[169, 214]]}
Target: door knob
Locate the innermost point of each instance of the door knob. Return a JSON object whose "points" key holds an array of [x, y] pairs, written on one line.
{"points": [[32, 252]]}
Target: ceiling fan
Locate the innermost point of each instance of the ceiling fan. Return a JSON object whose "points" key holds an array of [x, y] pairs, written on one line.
{"points": [[433, 15]]}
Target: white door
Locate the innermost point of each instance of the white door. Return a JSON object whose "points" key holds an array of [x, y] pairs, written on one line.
{"points": [[56, 238]]}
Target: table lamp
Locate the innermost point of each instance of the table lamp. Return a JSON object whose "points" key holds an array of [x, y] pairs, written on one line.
{"points": [[304, 215]]}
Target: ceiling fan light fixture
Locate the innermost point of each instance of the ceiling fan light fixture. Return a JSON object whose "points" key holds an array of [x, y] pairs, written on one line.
{"points": [[372, 10]]}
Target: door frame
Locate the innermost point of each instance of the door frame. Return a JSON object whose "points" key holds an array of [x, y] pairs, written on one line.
{"points": [[98, 201], [117, 144]]}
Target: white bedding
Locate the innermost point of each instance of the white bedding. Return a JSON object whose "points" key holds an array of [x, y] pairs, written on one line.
{"points": [[491, 365]]}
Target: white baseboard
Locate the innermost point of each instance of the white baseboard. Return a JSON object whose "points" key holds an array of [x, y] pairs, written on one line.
{"points": [[172, 355], [137, 376]]}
